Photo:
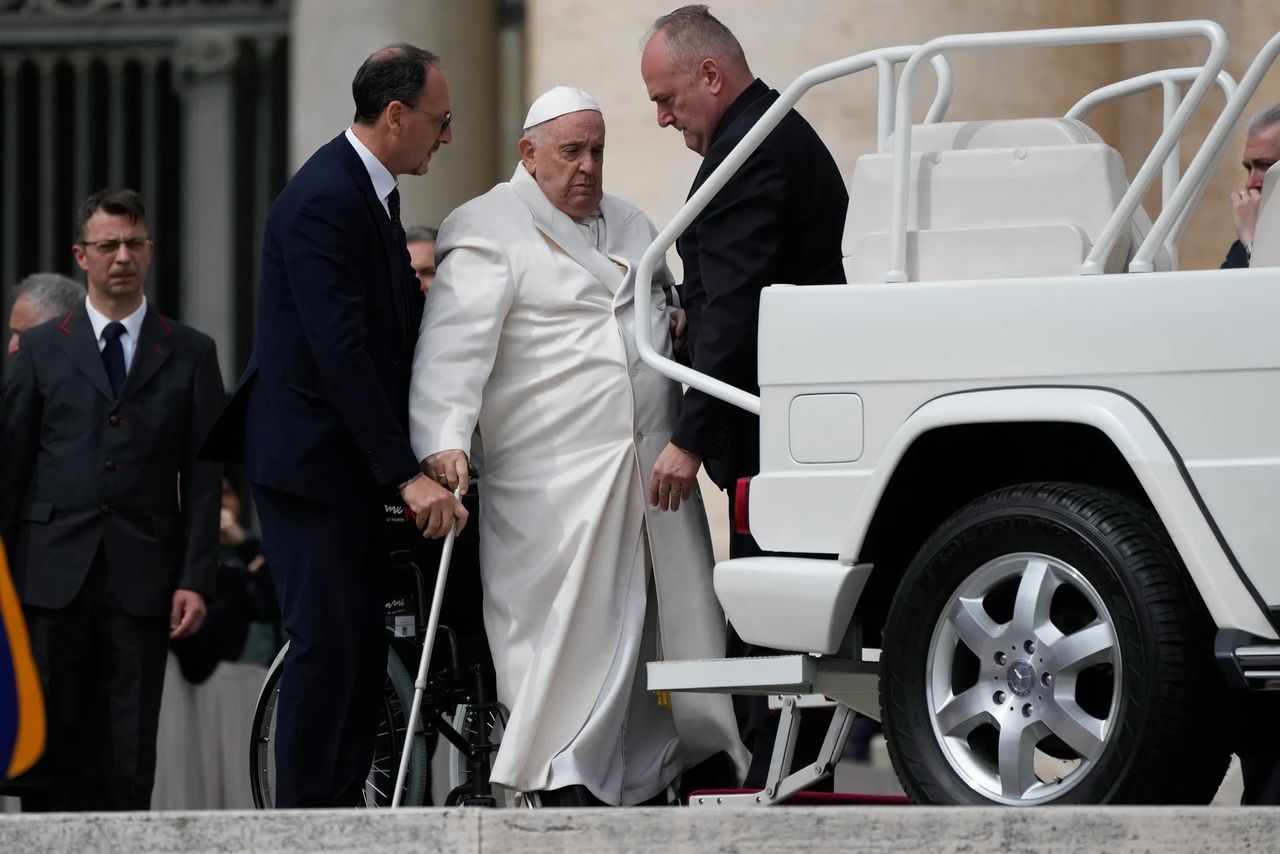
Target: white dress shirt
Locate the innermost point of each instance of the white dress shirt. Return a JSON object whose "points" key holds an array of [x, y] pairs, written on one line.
{"points": [[383, 181], [132, 329]]}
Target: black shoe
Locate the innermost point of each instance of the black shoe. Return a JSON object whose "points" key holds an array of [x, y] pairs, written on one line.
{"points": [[569, 796]]}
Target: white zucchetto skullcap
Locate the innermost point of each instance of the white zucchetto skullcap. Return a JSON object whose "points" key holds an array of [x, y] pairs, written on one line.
{"points": [[557, 102]]}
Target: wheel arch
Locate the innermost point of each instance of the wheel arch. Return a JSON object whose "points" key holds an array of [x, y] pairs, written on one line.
{"points": [[959, 446]]}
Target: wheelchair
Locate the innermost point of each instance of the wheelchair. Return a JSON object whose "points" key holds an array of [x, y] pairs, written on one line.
{"points": [[459, 703]]}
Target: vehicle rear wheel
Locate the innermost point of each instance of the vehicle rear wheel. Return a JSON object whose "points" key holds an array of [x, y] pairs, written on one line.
{"points": [[1051, 650]]}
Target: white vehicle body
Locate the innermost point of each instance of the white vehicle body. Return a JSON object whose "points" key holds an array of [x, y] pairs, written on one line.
{"points": [[888, 404]]}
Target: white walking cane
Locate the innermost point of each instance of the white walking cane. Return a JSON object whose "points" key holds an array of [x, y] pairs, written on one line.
{"points": [[420, 684]]}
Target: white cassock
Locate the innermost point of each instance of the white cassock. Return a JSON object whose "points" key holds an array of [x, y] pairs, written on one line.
{"points": [[528, 342]]}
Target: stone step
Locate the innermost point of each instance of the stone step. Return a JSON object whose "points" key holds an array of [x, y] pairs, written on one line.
{"points": [[1118, 830]]}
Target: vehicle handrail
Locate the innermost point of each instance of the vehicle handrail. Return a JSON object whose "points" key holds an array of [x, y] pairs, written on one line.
{"points": [[1095, 262], [886, 101], [719, 177], [1206, 159], [1168, 80]]}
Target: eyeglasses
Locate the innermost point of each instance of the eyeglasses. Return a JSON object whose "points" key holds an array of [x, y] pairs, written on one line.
{"points": [[445, 120], [111, 247]]}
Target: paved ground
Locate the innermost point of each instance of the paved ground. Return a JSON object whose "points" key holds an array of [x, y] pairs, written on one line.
{"points": [[898, 830]]}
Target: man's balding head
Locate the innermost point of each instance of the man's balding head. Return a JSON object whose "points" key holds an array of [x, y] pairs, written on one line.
{"points": [[694, 69], [692, 34]]}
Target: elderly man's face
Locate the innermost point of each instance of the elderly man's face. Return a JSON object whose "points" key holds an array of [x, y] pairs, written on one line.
{"points": [[422, 257], [1261, 152], [567, 161]]}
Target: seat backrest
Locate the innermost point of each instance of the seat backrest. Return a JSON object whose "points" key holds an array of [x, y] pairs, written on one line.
{"points": [[1266, 234], [991, 199]]}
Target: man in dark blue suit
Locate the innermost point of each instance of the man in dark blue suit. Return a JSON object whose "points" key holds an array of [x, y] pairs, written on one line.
{"points": [[320, 418]]}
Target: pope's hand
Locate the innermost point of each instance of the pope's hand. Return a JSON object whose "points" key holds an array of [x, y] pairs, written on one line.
{"points": [[673, 476], [448, 468], [434, 508]]}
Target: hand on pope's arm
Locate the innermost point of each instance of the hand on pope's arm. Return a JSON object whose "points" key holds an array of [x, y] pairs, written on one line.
{"points": [[435, 509], [448, 468], [186, 614], [679, 321], [1244, 210], [673, 477]]}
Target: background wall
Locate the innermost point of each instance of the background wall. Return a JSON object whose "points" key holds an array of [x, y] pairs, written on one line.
{"points": [[576, 42]]}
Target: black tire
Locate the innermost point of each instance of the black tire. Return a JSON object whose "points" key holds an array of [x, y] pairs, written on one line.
{"points": [[396, 700], [1096, 567]]}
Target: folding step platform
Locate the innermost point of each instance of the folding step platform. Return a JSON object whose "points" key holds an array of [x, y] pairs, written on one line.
{"points": [[853, 685]]}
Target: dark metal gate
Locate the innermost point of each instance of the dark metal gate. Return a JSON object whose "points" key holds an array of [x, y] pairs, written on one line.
{"points": [[184, 100]]}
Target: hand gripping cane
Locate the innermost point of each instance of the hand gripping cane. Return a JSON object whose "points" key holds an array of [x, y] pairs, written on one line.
{"points": [[420, 684]]}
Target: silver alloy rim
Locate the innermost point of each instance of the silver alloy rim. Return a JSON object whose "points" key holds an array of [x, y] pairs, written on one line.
{"points": [[1035, 717]]}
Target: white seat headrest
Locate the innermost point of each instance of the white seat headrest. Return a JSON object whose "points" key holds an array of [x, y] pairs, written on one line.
{"points": [[999, 133]]}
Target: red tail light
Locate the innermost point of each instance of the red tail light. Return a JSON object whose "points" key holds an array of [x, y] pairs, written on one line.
{"points": [[741, 498]]}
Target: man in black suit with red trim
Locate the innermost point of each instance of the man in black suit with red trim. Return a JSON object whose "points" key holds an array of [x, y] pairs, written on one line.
{"points": [[779, 219], [320, 418], [111, 522]]}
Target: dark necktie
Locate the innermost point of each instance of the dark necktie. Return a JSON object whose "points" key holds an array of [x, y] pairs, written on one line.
{"points": [[113, 355], [393, 207]]}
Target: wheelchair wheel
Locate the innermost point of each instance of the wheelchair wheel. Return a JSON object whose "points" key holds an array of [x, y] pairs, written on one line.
{"points": [[482, 726], [397, 695]]}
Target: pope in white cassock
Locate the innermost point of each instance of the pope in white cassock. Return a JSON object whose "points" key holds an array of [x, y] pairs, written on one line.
{"points": [[526, 365]]}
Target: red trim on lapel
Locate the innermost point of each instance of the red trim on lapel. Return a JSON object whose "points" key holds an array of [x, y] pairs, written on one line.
{"points": [[164, 321], [66, 323]]}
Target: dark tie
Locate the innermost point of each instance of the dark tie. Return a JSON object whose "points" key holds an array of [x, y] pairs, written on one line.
{"points": [[113, 355], [393, 207]]}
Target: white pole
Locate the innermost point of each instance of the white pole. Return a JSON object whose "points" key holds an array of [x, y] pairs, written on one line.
{"points": [[428, 645]]}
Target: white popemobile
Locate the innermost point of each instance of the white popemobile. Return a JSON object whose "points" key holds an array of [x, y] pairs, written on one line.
{"points": [[1031, 463]]}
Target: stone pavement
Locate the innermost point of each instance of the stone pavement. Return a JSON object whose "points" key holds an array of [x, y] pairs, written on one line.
{"points": [[1115, 830]]}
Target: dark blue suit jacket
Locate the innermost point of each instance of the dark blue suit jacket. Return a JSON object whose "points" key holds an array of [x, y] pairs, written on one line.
{"points": [[778, 220], [322, 408]]}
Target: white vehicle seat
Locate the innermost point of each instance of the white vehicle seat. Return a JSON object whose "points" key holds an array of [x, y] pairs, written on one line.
{"points": [[1266, 234], [992, 199]]}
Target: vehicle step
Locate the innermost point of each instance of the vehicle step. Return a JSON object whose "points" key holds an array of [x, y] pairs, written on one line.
{"points": [[779, 674]]}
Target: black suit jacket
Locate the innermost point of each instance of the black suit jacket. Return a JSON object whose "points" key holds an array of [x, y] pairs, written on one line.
{"points": [[82, 469], [1237, 257], [778, 220], [322, 408]]}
